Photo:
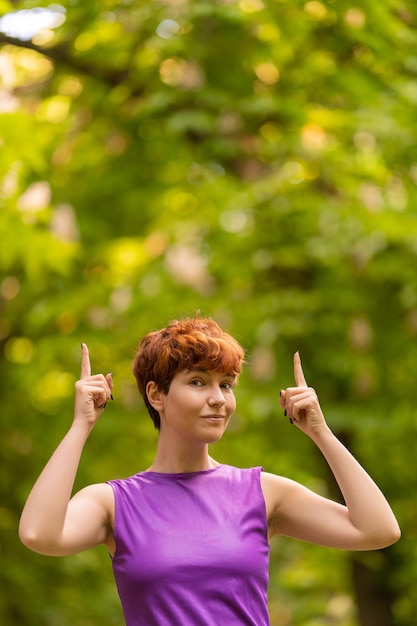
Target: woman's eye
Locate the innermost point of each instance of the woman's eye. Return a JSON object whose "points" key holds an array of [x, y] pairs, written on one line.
{"points": [[196, 383], [227, 385]]}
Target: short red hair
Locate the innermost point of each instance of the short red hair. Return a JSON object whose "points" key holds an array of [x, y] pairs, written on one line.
{"points": [[191, 343]]}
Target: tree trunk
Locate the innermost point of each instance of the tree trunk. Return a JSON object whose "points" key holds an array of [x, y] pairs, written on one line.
{"points": [[370, 577], [371, 571]]}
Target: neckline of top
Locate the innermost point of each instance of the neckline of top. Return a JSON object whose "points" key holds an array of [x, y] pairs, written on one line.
{"points": [[182, 474]]}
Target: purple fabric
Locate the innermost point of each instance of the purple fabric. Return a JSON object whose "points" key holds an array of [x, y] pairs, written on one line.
{"points": [[192, 549]]}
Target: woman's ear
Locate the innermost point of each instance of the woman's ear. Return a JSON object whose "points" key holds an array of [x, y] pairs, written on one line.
{"points": [[154, 395]]}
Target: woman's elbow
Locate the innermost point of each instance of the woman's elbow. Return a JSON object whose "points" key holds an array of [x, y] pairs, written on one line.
{"points": [[29, 538], [34, 541], [386, 538], [394, 536]]}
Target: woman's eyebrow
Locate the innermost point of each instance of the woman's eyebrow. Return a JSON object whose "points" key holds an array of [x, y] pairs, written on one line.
{"points": [[196, 370]]}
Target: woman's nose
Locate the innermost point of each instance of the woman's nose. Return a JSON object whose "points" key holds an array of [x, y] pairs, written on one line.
{"points": [[216, 397]]}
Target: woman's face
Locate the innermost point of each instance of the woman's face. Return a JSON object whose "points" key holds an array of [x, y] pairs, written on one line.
{"points": [[198, 405]]}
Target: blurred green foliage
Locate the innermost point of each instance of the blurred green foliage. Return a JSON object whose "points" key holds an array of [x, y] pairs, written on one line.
{"points": [[253, 160]]}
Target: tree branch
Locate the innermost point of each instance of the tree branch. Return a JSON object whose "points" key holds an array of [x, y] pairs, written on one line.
{"points": [[61, 54]]}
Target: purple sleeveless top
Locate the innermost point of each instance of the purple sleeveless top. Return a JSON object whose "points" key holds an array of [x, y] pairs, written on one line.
{"points": [[192, 549]]}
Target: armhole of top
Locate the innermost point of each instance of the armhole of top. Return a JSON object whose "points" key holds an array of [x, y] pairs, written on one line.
{"points": [[114, 487], [258, 472]]}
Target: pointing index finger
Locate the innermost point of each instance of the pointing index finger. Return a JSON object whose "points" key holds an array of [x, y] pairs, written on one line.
{"points": [[85, 361], [300, 381]]}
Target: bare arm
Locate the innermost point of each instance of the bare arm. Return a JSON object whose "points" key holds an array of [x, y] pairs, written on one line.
{"points": [[51, 522], [365, 522]]}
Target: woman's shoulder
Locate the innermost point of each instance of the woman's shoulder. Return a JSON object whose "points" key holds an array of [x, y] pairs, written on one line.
{"points": [[276, 490], [275, 483], [96, 489], [102, 493], [98, 497]]}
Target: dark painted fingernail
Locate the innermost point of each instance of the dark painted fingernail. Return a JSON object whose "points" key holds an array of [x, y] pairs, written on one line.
{"points": [[291, 422], [103, 406], [111, 397], [285, 413]]}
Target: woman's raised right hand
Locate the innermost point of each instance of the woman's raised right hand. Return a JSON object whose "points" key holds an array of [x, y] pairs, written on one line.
{"points": [[91, 392]]}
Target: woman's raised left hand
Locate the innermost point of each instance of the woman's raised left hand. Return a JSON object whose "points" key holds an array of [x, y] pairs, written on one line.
{"points": [[301, 403]]}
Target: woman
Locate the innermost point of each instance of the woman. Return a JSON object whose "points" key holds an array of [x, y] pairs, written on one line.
{"points": [[189, 537]]}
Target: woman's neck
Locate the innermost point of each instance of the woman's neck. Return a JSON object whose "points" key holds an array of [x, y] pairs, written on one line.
{"points": [[169, 459]]}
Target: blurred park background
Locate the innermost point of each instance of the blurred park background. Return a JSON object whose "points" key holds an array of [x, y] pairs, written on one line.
{"points": [[252, 159]]}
